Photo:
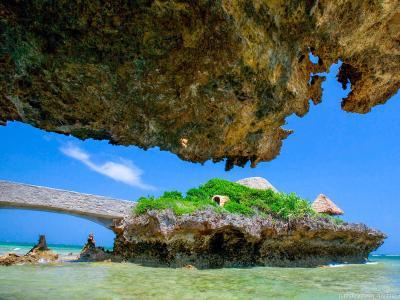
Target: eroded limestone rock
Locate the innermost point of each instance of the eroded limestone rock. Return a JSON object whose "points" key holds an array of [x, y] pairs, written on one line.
{"points": [[220, 199], [40, 253], [202, 79], [91, 253], [257, 183], [207, 239]]}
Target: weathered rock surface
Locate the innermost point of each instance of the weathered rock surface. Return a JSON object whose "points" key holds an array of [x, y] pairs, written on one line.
{"points": [[40, 253], [91, 253], [202, 79], [9, 259], [207, 240], [258, 183]]}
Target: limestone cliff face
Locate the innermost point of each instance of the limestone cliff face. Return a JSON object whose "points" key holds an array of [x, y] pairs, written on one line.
{"points": [[207, 239], [202, 79]]}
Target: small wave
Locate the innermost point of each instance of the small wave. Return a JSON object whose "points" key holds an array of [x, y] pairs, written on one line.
{"points": [[16, 249], [337, 265], [348, 265]]}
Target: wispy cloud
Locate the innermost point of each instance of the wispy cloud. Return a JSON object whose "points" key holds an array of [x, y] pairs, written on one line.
{"points": [[125, 171]]}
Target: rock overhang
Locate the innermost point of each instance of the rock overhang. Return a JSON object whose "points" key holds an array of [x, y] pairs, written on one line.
{"points": [[204, 80]]}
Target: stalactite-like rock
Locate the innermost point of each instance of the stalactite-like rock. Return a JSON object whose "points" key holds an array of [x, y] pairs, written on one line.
{"points": [[202, 79]]}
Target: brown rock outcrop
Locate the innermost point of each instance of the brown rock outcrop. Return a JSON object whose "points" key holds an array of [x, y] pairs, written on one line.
{"points": [[10, 259], [91, 253], [40, 253], [207, 239], [220, 200], [202, 79]]}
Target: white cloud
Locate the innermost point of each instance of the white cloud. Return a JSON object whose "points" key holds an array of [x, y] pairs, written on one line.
{"points": [[125, 171]]}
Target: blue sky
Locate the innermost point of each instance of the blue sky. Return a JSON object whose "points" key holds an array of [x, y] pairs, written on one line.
{"points": [[353, 159]]}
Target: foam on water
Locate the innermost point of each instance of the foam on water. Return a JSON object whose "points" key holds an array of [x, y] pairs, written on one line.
{"points": [[349, 265], [338, 265]]}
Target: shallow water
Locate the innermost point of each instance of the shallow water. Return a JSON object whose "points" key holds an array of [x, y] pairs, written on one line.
{"points": [[22, 249], [379, 279]]}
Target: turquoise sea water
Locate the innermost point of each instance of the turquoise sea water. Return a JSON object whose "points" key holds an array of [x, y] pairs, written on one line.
{"points": [[379, 279], [22, 249]]}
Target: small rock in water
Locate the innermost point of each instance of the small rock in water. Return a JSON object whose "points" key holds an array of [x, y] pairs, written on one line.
{"points": [[92, 253], [40, 253], [190, 267]]}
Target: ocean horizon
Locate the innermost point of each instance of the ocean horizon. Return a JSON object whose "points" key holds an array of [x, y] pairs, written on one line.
{"points": [[24, 247]]}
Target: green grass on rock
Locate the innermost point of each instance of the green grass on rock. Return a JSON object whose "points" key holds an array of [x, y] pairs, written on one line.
{"points": [[243, 200]]}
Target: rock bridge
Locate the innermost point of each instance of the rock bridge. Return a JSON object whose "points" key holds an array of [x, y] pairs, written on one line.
{"points": [[105, 211]]}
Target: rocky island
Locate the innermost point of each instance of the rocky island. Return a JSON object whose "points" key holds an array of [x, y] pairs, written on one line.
{"points": [[254, 227], [208, 239], [218, 224]]}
